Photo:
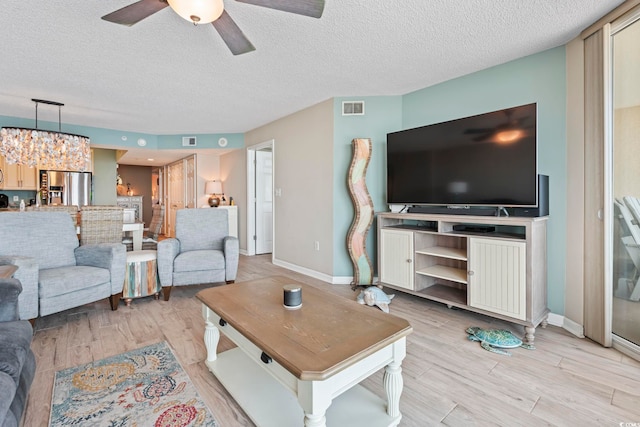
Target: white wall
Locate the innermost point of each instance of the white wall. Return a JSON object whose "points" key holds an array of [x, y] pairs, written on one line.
{"points": [[303, 170], [233, 172], [207, 169]]}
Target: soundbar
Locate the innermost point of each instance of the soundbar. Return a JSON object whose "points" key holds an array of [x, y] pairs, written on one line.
{"points": [[450, 210]]}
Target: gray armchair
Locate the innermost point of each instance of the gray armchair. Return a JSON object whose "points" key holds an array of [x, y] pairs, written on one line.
{"points": [[56, 273], [201, 252]]}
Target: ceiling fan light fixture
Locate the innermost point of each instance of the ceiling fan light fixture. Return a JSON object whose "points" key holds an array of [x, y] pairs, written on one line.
{"points": [[508, 136], [198, 11]]}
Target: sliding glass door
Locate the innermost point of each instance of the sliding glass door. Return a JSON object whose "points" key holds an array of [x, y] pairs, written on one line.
{"points": [[625, 181]]}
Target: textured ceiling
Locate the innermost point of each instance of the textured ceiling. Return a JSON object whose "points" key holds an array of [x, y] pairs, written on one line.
{"points": [[167, 76]]}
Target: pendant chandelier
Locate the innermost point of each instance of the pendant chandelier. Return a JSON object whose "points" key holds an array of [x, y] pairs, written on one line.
{"points": [[45, 149]]}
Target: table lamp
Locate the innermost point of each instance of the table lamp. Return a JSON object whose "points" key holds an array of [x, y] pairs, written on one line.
{"points": [[213, 188]]}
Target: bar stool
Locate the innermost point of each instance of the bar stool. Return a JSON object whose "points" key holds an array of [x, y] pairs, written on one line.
{"points": [[141, 276]]}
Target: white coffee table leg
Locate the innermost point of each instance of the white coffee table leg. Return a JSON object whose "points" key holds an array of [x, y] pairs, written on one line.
{"points": [[211, 335], [392, 379], [315, 420], [393, 384], [314, 399]]}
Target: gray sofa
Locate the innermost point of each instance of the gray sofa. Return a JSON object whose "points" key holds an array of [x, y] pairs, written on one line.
{"points": [[201, 252], [17, 361], [56, 273]]}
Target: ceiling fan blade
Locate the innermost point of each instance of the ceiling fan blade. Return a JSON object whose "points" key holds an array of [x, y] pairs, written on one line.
{"points": [[483, 137], [483, 130], [312, 8], [232, 35], [135, 12]]}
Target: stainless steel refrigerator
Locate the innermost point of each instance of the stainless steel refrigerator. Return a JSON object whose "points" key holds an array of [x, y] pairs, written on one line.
{"points": [[66, 188]]}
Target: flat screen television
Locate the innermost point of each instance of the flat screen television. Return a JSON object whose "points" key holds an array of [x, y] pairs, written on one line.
{"points": [[484, 160]]}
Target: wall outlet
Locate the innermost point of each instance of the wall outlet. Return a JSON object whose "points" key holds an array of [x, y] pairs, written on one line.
{"points": [[16, 198], [316, 245]]}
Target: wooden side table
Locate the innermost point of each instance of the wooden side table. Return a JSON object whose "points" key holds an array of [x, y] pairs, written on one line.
{"points": [[141, 276]]}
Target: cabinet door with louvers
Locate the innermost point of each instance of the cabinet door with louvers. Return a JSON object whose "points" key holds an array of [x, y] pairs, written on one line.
{"points": [[497, 276]]}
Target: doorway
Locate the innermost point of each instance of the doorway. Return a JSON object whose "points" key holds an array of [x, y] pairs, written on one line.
{"points": [[260, 206]]}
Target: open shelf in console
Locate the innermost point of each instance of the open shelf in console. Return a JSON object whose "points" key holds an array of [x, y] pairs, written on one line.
{"points": [[490, 230], [444, 293], [441, 256], [412, 224], [441, 266]]}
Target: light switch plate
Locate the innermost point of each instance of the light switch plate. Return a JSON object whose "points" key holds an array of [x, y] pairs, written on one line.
{"points": [[16, 198]]}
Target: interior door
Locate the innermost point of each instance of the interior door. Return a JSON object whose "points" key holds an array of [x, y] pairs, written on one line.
{"points": [[175, 194], [190, 182], [264, 202]]}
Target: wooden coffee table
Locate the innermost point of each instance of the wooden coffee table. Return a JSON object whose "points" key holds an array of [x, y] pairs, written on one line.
{"points": [[304, 364]]}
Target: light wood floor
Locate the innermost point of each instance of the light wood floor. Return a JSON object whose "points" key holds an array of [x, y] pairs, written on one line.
{"points": [[447, 379]]}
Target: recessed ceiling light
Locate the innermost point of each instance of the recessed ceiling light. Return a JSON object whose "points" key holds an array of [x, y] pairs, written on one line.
{"points": [[151, 160], [124, 138], [142, 142]]}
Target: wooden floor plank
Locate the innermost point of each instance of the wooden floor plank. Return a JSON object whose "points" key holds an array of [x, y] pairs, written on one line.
{"points": [[448, 380]]}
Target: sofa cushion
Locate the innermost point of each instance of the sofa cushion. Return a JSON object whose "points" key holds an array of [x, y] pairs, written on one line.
{"points": [[50, 237], [15, 343], [59, 281], [199, 260]]}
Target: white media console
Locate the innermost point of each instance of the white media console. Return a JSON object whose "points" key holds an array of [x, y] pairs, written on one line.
{"points": [[497, 266]]}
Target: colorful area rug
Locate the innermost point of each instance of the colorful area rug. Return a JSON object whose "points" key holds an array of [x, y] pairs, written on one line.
{"points": [[144, 387]]}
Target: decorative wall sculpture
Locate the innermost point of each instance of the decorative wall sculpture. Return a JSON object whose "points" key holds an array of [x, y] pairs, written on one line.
{"points": [[363, 206]]}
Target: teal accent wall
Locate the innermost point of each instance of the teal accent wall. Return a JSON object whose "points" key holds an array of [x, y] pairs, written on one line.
{"points": [[383, 115], [539, 78], [234, 140]]}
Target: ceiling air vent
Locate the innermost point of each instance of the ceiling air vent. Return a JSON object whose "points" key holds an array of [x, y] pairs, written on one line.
{"points": [[188, 141], [353, 108]]}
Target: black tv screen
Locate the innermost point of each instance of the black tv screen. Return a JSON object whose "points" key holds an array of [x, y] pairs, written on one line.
{"points": [[484, 160]]}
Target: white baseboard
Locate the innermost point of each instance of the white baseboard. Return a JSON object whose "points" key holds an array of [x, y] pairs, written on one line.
{"points": [[334, 280], [303, 270], [573, 327], [555, 319]]}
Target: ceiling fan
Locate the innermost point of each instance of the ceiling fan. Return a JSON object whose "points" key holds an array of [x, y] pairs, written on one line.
{"points": [[509, 131], [212, 11]]}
